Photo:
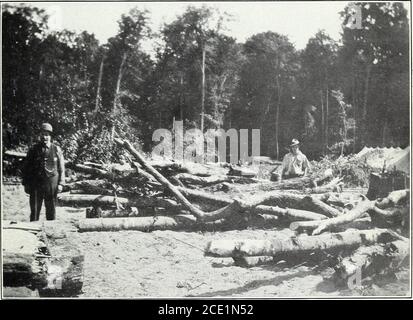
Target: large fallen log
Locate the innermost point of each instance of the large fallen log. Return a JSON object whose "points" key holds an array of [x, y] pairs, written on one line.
{"points": [[287, 213], [145, 224], [88, 200], [182, 222], [323, 225], [316, 205], [374, 259], [302, 244], [187, 178], [99, 186]]}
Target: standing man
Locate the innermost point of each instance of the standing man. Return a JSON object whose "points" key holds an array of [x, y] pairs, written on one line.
{"points": [[44, 174], [295, 163]]}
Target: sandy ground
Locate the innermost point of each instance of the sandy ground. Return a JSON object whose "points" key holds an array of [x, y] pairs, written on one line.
{"points": [[133, 264]]}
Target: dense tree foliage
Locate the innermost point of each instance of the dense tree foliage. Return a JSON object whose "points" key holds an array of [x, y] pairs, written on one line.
{"points": [[335, 96]]}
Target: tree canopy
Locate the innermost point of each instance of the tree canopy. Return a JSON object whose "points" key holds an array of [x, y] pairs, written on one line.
{"points": [[335, 96]]}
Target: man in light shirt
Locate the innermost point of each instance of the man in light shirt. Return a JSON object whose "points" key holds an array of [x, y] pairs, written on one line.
{"points": [[295, 163]]}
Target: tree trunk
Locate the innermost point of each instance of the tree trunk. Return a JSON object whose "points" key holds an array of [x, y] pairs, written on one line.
{"points": [[324, 225], [287, 213], [98, 97], [394, 198], [181, 97], [187, 178], [322, 123], [307, 245], [116, 96], [326, 126], [118, 82], [90, 200], [138, 223], [203, 89], [373, 260], [365, 98], [277, 116], [313, 204], [355, 111]]}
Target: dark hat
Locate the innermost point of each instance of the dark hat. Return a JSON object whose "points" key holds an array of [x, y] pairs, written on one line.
{"points": [[47, 127], [294, 142]]}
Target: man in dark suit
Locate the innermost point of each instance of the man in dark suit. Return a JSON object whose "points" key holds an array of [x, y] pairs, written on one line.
{"points": [[44, 174]]}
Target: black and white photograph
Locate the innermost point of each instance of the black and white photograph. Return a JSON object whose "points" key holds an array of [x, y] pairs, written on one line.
{"points": [[206, 150]]}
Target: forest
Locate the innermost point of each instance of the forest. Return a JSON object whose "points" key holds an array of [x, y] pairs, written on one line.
{"points": [[334, 96]]}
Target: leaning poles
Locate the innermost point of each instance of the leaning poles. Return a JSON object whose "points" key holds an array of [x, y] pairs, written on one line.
{"points": [[198, 213]]}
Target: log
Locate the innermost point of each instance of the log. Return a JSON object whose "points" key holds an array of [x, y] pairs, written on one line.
{"points": [[323, 225], [99, 186], [205, 199], [303, 244], [94, 165], [90, 199], [15, 154], [90, 170], [334, 185], [289, 184], [372, 260], [248, 262], [397, 217], [394, 198], [242, 171], [187, 178], [316, 205], [145, 224], [274, 198], [287, 213], [116, 175]]}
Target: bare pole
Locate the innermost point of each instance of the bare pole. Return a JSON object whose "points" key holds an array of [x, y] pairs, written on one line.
{"points": [[98, 97], [203, 88]]}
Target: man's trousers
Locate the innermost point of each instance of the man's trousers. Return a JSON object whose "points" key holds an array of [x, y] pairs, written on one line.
{"points": [[46, 190]]}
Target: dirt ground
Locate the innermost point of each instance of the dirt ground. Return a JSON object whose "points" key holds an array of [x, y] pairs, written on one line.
{"points": [[133, 264]]}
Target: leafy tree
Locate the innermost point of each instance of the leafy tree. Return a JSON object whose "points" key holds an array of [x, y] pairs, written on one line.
{"points": [[318, 78], [374, 60], [267, 89]]}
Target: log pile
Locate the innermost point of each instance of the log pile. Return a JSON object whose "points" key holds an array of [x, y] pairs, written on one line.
{"points": [[165, 189], [144, 195], [32, 267]]}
